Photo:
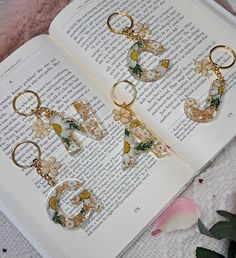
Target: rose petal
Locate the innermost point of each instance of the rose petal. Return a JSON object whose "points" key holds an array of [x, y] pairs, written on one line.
{"points": [[182, 213]]}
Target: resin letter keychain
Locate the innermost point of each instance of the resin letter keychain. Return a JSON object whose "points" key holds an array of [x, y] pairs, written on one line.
{"points": [[137, 138], [83, 200], [138, 32], [63, 125], [216, 92]]}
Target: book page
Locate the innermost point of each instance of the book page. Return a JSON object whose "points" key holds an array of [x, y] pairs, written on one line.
{"points": [[188, 31], [130, 199]]}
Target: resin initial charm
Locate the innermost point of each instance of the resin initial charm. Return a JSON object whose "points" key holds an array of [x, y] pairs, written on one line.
{"points": [[80, 203], [137, 137], [84, 200], [138, 33], [140, 72], [64, 126], [216, 91]]}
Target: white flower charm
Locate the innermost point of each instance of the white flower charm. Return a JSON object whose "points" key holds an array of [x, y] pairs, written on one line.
{"points": [[203, 67], [40, 129], [122, 115], [142, 29], [50, 166]]}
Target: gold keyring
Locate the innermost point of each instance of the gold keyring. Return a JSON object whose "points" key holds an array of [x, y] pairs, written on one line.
{"points": [[114, 98], [227, 48], [13, 154], [120, 14], [38, 104]]}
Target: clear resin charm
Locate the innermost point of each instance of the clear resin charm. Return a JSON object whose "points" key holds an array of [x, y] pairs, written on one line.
{"points": [[214, 63], [137, 138], [208, 112], [138, 33], [83, 204], [140, 72], [65, 126]]}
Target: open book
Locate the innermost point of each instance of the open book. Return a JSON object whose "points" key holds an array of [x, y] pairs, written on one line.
{"points": [[82, 59]]}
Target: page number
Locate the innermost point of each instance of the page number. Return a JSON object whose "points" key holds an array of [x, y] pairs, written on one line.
{"points": [[136, 210], [230, 115]]}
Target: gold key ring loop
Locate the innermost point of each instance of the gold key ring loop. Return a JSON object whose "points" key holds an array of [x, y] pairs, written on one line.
{"points": [[120, 14], [229, 50], [13, 154], [115, 99], [38, 102]]}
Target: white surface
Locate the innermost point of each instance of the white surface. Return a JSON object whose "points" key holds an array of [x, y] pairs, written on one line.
{"points": [[218, 191]]}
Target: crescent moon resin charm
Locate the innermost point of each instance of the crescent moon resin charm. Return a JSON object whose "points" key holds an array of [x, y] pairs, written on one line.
{"points": [[138, 32], [216, 91]]}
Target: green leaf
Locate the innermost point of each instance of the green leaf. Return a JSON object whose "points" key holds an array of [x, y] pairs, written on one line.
{"points": [[127, 133], [206, 253], [56, 218], [227, 215], [66, 141], [73, 125], [140, 44], [144, 146], [215, 103], [224, 229], [137, 70], [203, 230], [232, 250]]}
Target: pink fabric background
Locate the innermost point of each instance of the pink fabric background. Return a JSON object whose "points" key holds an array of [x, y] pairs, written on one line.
{"points": [[20, 20]]}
